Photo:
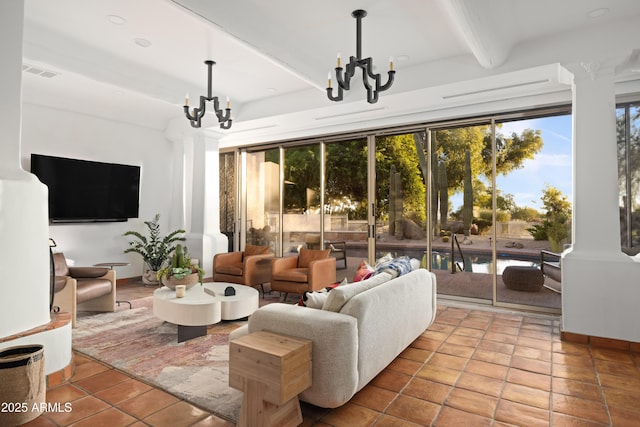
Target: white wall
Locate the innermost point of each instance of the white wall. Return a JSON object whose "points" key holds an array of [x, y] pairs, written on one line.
{"points": [[24, 297], [67, 134]]}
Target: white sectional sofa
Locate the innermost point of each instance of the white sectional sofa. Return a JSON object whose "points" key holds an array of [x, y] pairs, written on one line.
{"points": [[374, 321]]}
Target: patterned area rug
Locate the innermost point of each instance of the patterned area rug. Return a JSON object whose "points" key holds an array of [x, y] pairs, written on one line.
{"points": [[147, 348]]}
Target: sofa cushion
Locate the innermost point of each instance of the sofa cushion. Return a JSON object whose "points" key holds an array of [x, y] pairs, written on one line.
{"points": [[87, 272], [231, 269], [60, 264], [299, 275], [342, 294], [92, 288], [255, 250], [307, 255]]}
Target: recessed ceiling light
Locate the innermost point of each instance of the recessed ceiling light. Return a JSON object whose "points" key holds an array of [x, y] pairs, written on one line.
{"points": [[403, 57], [596, 13], [142, 42], [272, 90], [116, 19]]}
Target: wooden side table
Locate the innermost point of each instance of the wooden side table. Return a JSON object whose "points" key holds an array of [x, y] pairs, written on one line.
{"points": [[271, 369]]}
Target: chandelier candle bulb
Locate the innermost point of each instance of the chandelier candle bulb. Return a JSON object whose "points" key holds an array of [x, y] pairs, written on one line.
{"points": [[228, 103], [186, 100], [391, 63], [338, 60], [329, 79]]}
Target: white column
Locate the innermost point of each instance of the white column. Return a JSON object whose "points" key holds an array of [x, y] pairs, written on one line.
{"points": [[178, 133], [204, 238], [600, 284], [24, 230], [596, 223], [11, 18]]}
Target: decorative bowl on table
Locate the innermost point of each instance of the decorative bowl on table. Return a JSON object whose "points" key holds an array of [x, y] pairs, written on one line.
{"points": [[189, 281]]}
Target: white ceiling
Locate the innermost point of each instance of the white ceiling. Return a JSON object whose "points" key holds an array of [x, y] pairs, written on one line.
{"points": [[273, 56]]}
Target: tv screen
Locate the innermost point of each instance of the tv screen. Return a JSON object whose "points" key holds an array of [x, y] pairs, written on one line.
{"points": [[87, 191]]}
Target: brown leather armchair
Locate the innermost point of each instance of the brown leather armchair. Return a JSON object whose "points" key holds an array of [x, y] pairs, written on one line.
{"points": [[310, 270], [251, 267], [83, 288]]}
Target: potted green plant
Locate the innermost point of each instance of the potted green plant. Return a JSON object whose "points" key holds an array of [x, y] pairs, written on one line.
{"points": [[154, 248], [180, 270]]}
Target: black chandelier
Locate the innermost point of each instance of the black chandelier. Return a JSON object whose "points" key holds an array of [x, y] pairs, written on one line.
{"points": [[224, 116], [344, 82]]}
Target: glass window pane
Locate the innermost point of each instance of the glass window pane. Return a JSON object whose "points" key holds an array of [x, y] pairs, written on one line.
{"points": [[533, 207], [301, 210], [628, 135], [400, 197], [345, 204], [461, 211], [634, 160], [228, 193], [263, 200]]}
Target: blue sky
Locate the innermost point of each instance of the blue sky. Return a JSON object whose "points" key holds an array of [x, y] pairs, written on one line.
{"points": [[552, 165]]}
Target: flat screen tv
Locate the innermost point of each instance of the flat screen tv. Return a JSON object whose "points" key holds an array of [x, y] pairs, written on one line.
{"points": [[87, 191]]}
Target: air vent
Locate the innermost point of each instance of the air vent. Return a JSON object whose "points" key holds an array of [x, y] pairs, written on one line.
{"points": [[38, 71], [493, 89]]}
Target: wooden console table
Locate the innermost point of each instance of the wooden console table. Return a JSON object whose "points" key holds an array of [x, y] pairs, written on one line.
{"points": [[271, 369]]}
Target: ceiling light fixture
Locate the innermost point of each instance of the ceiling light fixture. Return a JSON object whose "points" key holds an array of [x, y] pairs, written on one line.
{"points": [[224, 117], [344, 82]]}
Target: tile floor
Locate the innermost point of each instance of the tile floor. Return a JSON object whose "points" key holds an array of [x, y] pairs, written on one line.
{"points": [[470, 368]]}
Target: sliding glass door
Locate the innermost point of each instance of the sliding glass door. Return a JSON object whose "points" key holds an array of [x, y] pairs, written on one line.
{"points": [[461, 210], [468, 199], [532, 208]]}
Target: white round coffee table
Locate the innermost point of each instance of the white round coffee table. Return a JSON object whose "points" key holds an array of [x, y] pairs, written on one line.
{"points": [[192, 313], [237, 306]]}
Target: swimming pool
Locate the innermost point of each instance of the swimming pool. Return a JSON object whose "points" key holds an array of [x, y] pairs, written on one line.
{"points": [[482, 263], [475, 261]]}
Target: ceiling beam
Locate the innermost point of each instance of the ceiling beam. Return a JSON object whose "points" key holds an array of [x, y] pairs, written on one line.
{"points": [[479, 26]]}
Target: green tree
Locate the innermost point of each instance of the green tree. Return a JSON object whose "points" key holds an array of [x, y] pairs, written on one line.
{"points": [[557, 219], [346, 167], [400, 151], [302, 177], [511, 151], [346, 178], [525, 214]]}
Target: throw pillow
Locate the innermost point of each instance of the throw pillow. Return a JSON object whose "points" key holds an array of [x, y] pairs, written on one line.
{"points": [[255, 250], [363, 272], [395, 267], [339, 296], [307, 255], [317, 299]]}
